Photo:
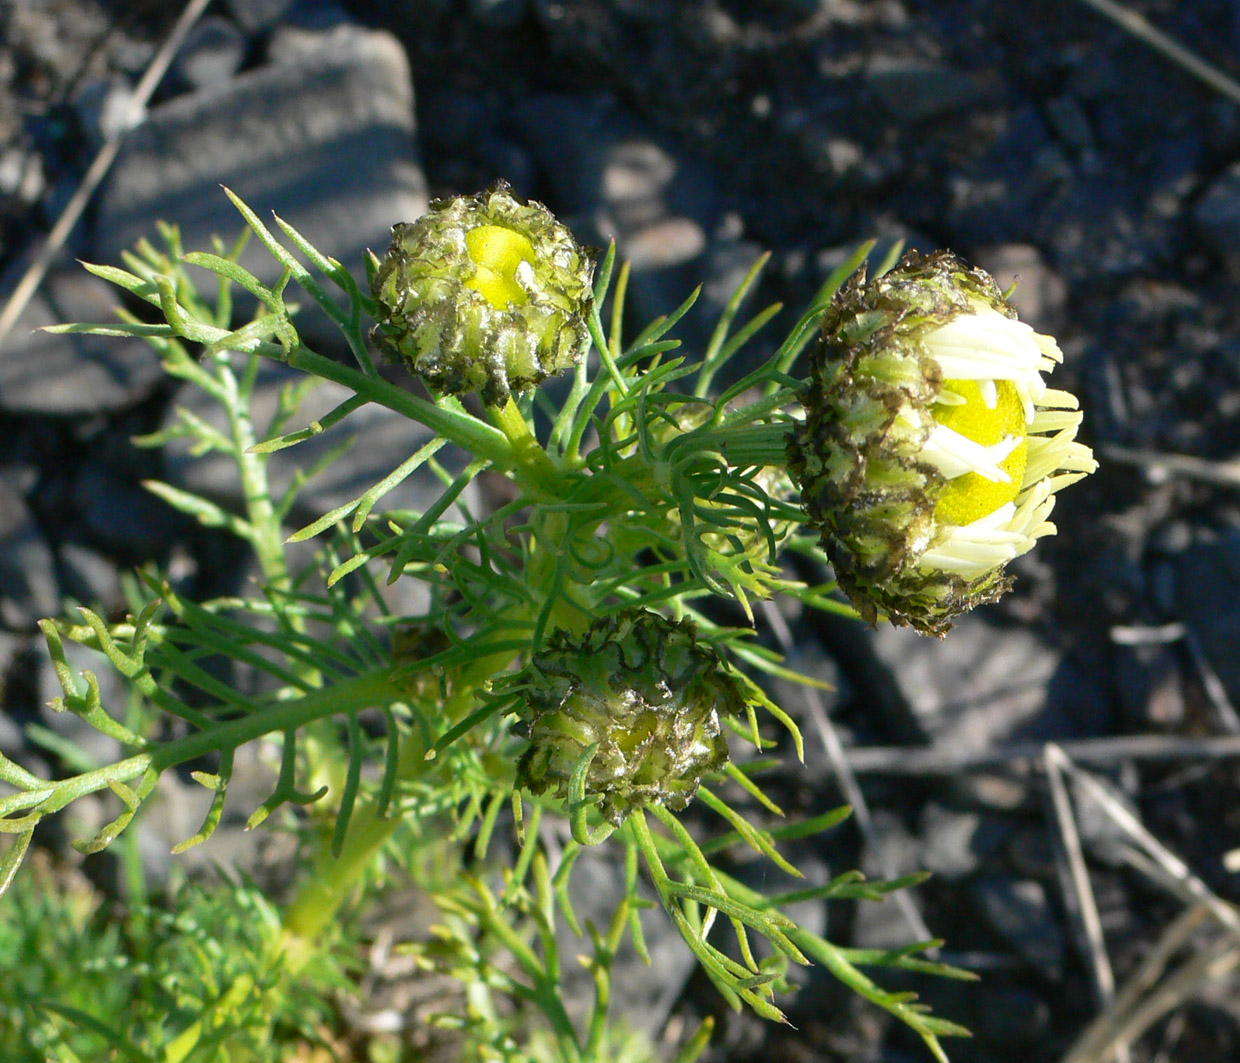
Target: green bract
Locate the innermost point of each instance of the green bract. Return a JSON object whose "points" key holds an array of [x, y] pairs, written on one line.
{"points": [[931, 448], [485, 293], [639, 696]]}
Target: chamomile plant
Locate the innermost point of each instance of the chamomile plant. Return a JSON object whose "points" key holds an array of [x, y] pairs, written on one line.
{"points": [[571, 681]]}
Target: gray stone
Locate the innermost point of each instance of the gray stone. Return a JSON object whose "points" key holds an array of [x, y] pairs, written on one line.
{"points": [[628, 185], [1217, 213], [21, 176], [982, 685], [212, 53], [28, 588], [498, 14], [89, 577], [949, 841], [1019, 910], [70, 375], [1040, 295], [1208, 599], [255, 15], [915, 91], [12, 741], [121, 515], [884, 924], [378, 440], [326, 141]]}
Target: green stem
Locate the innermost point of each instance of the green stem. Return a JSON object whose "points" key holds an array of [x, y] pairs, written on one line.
{"points": [[467, 432], [333, 878], [364, 691], [532, 459], [267, 538]]}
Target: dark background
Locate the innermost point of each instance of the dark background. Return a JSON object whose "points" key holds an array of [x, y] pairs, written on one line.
{"points": [[1036, 139]]}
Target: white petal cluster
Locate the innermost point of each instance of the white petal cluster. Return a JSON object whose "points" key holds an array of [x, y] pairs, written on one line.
{"points": [[987, 346]]}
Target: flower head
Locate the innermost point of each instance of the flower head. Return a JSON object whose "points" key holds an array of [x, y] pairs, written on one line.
{"points": [[931, 449], [485, 293], [644, 694]]}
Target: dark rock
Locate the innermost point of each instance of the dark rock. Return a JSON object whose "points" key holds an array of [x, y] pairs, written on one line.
{"points": [[604, 165], [1095, 227], [212, 53], [1217, 212], [122, 516], [508, 160], [1013, 1015], [71, 375], [982, 685], [326, 141], [1019, 910], [913, 90], [12, 740], [997, 196], [1208, 599], [1069, 123], [498, 14], [256, 15], [628, 185], [1150, 682], [28, 588], [90, 577]]}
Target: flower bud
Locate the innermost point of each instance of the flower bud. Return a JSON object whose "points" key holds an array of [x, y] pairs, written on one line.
{"points": [[485, 293], [645, 694], [931, 448]]}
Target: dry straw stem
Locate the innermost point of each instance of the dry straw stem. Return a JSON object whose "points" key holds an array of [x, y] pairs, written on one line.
{"points": [[95, 173], [1225, 712], [1078, 890], [1188, 61], [1024, 757], [1160, 465], [1148, 996]]}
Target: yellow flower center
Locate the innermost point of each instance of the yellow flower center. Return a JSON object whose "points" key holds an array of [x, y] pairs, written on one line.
{"points": [[971, 496], [498, 252]]}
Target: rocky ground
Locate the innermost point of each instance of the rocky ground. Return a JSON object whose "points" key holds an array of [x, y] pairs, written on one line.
{"points": [[1036, 138]]}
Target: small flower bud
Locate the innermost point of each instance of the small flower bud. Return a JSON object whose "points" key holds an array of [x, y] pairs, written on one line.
{"points": [[931, 448], [645, 693], [485, 293]]}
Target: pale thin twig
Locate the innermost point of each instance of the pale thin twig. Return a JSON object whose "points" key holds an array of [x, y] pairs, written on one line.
{"points": [[1085, 908], [1176, 631], [102, 162], [1026, 756], [1114, 1023], [1189, 61], [847, 780], [1146, 999], [1191, 887], [1161, 464]]}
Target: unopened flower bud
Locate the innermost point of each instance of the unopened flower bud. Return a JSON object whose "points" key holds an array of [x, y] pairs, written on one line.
{"points": [[485, 293], [645, 694], [931, 448]]}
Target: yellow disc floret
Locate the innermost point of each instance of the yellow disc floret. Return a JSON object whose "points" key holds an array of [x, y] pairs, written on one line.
{"points": [[498, 253], [972, 496]]}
